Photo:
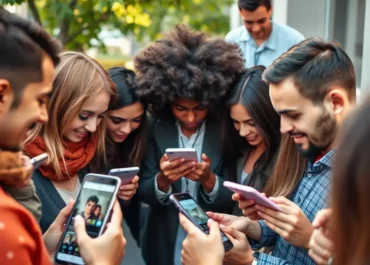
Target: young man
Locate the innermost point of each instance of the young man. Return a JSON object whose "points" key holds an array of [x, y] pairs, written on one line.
{"points": [[27, 60], [181, 75], [261, 39], [313, 88], [91, 202]]}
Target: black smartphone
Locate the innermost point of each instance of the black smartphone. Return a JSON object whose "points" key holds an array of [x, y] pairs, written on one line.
{"points": [[94, 203], [188, 206]]}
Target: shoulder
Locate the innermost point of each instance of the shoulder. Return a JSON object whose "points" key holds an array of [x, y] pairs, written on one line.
{"points": [[234, 35], [289, 33]]}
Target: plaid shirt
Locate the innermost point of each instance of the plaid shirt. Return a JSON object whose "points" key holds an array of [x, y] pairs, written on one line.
{"points": [[311, 195]]}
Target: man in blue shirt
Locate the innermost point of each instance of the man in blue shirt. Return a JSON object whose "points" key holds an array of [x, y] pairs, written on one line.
{"points": [[313, 88], [261, 39]]}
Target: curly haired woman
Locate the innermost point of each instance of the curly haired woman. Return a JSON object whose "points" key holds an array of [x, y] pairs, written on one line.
{"points": [[184, 77]]}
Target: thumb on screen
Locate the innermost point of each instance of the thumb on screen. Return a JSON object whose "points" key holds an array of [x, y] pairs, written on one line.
{"points": [[80, 228]]}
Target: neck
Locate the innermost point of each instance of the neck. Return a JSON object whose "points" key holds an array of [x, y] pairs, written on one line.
{"points": [[188, 132], [259, 149]]}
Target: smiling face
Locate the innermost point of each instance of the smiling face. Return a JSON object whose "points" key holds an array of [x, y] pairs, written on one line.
{"points": [[245, 125], [123, 121], [90, 116], [257, 22], [313, 127]]}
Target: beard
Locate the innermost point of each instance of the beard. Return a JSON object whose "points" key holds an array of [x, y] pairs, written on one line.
{"points": [[325, 132]]}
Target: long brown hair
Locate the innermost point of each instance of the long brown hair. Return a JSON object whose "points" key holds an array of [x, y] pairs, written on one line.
{"points": [[288, 171], [350, 191], [76, 78]]}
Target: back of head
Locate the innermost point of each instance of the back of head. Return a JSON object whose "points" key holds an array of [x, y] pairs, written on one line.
{"points": [[350, 190], [315, 66], [23, 45], [185, 64], [252, 5]]}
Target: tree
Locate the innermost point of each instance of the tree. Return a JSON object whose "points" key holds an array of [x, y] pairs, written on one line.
{"points": [[76, 22]]}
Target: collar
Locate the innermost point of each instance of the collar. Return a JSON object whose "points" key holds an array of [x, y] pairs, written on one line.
{"points": [[200, 130], [327, 159]]}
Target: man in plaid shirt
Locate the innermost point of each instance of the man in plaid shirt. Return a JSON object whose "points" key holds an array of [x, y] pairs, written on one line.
{"points": [[312, 87]]}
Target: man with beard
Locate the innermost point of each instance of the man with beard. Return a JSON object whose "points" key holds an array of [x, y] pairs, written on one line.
{"points": [[313, 88]]}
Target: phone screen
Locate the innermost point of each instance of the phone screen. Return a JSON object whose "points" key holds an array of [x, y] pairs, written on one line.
{"points": [[93, 205], [199, 217]]}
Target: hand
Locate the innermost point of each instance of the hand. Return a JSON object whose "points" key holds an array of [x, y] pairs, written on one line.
{"points": [[241, 253], [291, 224], [240, 223], [20, 172], [55, 231], [28, 168], [196, 242], [321, 247], [172, 171], [127, 191], [203, 174], [94, 251], [247, 206]]}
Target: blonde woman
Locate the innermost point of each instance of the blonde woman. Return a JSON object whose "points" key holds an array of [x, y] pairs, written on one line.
{"points": [[82, 91]]}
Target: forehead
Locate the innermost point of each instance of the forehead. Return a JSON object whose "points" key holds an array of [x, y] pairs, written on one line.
{"points": [[285, 96], [259, 13], [187, 103], [97, 102], [239, 112], [130, 111]]}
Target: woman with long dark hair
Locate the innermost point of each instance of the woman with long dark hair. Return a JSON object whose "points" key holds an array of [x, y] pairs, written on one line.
{"points": [[251, 135]]}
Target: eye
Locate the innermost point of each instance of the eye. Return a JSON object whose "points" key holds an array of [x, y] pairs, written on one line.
{"points": [[180, 109], [137, 120], [83, 117], [294, 116], [42, 102]]}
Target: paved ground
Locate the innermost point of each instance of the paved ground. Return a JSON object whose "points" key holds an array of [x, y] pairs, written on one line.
{"points": [[133, 252]]}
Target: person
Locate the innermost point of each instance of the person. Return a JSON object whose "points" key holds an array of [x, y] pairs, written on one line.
{"points": [[251, 135], [312, 87], [126, 138], [345, 223], [97, 212], [90, 206], [82, 91], [180, 76], [261, 39], [28, 57]]}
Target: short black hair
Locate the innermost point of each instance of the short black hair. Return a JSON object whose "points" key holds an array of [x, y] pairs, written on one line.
{"points": [[92, 199], [22, 48], [252, 5], [314, 65], [186, 64]]}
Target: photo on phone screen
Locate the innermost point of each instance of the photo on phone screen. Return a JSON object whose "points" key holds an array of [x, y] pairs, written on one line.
{"points": [[93, 204], [192, 210]]}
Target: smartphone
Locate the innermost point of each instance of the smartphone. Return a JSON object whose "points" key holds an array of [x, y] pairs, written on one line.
{"points": [[250, 193], [125, 174], [37, 161], [187, 205], [190, 154], [94, 203]]}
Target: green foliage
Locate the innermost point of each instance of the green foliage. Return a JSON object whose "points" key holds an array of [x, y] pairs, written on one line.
{"points": [[77, 22]]}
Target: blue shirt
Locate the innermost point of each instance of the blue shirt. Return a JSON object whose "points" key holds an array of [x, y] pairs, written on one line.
{"points": [[282, 37], [311, 195]]}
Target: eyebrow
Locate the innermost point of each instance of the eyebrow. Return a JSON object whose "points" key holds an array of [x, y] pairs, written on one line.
{"points": [[285, 111], [120, 118], [178, 105], [47, 94], [92, 112], [248, 120]]}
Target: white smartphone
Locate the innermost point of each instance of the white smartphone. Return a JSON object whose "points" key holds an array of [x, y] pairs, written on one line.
{"points": [[190, 154], [188, 206], [94, 203], [37, 161], [126, 174]]}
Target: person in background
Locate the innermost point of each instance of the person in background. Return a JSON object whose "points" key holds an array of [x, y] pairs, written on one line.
{"points": [[185, 78], [261, 39], [28, 56], [82, 91], [97, 212], [251, 135]]}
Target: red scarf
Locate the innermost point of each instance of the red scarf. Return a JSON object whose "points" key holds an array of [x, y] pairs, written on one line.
{"points": [[76, 156]]}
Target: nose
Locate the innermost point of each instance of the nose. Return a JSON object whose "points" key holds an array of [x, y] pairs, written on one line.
{"points": [[91, 125], [285, 125], [44, 117], [126, 128], [191, 117], [244, 130]]}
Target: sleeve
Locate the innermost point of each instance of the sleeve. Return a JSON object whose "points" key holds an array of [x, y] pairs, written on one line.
{"points": [[27, 197], [268, 238], [266, 259], [210, 197], [162, 196]]}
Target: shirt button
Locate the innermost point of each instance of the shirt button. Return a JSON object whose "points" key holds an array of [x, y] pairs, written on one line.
{"points": [[309, 175]]}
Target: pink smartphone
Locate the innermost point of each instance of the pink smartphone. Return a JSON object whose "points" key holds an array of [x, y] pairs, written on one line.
{"points": [[250, 193]]}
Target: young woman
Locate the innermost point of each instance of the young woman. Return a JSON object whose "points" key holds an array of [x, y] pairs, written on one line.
{"points": [[251, 135], [126, 123], [82, 91]]}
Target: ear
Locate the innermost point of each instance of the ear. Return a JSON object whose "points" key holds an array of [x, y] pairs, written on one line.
{"points": [[270, 12], [6, 95], [337, 99]]}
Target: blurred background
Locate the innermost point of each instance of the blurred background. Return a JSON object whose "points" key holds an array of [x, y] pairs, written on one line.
{"points": [[114, 31]]}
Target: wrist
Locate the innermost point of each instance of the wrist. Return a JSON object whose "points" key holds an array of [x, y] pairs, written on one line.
{"points": [[209, 183], [162, 183]]}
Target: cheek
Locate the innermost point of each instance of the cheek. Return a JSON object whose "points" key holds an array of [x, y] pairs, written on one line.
{"points": [[135, 126], [237, 126]]}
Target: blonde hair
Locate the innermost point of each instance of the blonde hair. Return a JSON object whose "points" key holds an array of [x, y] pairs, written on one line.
{"points": [[77, 77]]}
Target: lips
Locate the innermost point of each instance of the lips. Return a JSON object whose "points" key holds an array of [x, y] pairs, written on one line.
{"points": [[120, 137], [251, 139], [81, 134]]}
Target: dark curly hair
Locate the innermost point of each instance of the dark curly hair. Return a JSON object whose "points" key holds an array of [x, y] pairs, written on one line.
{"points": [[185, 64]]}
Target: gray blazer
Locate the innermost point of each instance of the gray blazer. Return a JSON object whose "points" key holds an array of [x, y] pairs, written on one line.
{"points": [[160, 237]]}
